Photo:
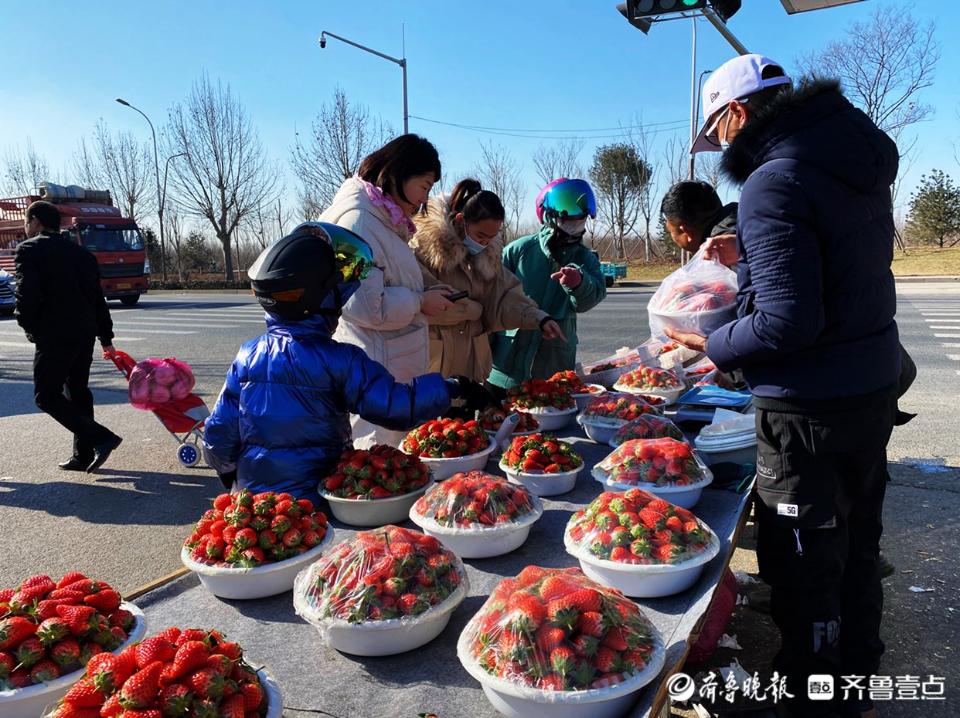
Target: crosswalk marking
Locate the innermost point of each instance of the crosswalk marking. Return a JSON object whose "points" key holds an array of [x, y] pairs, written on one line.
{"points": [[947, 336], [953, 357], [942, 320]]}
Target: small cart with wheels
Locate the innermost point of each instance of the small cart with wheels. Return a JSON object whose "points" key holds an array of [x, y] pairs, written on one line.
{"points": [[183, 418]]}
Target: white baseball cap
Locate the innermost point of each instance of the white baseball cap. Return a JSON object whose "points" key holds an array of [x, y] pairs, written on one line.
{"points": [[733, 80]]}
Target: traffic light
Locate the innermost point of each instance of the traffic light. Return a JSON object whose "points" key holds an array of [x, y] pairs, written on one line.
{"points": [[645, 8]]}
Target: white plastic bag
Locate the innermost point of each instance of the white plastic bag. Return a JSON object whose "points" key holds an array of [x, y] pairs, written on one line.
{"points": [[700, 297]]}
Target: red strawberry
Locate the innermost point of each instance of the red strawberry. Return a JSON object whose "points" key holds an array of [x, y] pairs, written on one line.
{"points": [[20, 678], [66, 653], [190, 634], [252, 696], [122, 618], [591, 624], [230, 649], [218, 662], [47, 608], [223, 502], [106, 601], [148, 713], [562, 660], [549, 637], [29, 652], [585, 646], [233, 707], [207, 683], [52, 630], [291, 538], [584, 599], [112, 707], [140, 689], [44, 671], [190, 656], [84, 694], [555, 587], [14, 630], [7, 664], [80, 619], [109, 672], [551, 682], [606, 660], [175, 700], [155, 648], [71, 577], [615, 639]]}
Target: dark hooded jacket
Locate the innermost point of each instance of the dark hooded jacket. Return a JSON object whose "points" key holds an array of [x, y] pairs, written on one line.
{"points": [[815, 233]]}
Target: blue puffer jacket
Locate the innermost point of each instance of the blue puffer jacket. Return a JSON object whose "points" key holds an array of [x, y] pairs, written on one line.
{"points": [[815, 232], [282, 419]]}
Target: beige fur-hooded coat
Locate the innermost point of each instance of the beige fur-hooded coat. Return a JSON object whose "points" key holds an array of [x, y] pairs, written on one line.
{"points": [[459, 338]]}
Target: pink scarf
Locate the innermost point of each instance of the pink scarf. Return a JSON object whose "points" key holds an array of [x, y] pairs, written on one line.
{"points": [[385, 202]]}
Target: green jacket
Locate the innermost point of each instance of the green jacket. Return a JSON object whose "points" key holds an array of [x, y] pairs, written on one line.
{"points": [[520, 354]]}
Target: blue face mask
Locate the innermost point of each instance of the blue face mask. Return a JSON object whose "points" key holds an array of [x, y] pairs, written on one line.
{"points": [[473, 247]]}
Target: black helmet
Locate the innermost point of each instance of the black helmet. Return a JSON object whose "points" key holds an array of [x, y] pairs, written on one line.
{"points": [[313, 270]]}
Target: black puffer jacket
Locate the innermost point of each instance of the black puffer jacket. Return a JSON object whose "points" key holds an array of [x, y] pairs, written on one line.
{"points": [[815, 234]]}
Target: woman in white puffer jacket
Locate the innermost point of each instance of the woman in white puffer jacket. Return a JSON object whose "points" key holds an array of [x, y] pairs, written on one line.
{"points": [[387, 316]]}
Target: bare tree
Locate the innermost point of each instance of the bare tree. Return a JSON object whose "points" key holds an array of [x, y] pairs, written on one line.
{"points": [[558, 159], [883, 64], [24, 170], [640, 137], [709, 169], [500, 173], [618, 176], [225, 174], [177, 235], [341, 135], [121, 164], [676, 157]]}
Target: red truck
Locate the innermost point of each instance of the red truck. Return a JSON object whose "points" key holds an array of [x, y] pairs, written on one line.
{"points": [[88, 218]]}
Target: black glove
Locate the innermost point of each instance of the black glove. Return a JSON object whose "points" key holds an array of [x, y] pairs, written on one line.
{"points": [[228, 479], [474, 395]]}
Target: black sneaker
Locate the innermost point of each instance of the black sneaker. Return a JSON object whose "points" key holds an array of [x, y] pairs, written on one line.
{"points": [[886, 568], [75, 464], [101, 452]]}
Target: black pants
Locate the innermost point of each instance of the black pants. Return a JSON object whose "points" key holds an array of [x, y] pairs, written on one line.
{"points": [[60, 377], [821, 478]]}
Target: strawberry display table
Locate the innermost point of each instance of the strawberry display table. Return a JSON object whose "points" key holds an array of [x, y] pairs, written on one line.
{"points": [[431, 679]]}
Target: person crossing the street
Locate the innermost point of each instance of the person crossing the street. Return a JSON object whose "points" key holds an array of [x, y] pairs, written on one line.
{"points": [[62, 310]]}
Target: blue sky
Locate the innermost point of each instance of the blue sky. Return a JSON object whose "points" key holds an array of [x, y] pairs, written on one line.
{"points": [[562, 64]]}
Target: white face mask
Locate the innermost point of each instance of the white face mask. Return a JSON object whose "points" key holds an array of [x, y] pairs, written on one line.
{"points": [[573, 227], [473, 247]]}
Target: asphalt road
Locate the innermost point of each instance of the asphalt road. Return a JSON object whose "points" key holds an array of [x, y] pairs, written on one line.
{"points": [[125, 523]]}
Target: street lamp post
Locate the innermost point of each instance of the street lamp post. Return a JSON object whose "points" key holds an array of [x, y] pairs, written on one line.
{"points": [[693, 124], [156, 170], [401, 61]]}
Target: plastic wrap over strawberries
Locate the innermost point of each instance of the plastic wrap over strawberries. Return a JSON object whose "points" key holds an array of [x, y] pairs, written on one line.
{"points": [[155, 382], [699, 297], [648, 426], [636, 527], [386, 574], [652, 380], [476, 501], [662, 462], [617, 409], [551, 631]]}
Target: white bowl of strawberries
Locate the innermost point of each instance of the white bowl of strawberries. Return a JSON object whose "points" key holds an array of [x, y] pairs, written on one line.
{"points": [[173, 672], [542, 464], [550, 403], [639, 544], [665, 467], [477, 515], [383, 592], [603, 416], [581, 392], [654, 381], [43, 653], [449, 446], [552, 643], [376, 486], [254, 545]]}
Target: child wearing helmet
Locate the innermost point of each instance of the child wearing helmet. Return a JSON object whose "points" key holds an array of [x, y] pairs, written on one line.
{"points": [[560, 274], [458, 244], [283, 416]]}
